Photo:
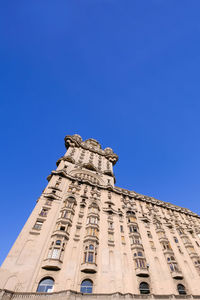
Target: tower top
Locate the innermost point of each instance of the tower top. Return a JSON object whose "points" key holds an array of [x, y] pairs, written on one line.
{"points": [[92, 145]]}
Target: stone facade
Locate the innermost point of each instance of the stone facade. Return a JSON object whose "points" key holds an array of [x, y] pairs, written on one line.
{"points": [[85, 230]]}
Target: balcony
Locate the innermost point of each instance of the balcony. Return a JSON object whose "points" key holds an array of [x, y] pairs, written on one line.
{"points": [[193, 255], [89, 268], [142, 272], [168, 251], [163, 239], [177, 275], [61, 233], [187, 244], [52, 264], [159, 230], [91, 238], [137, 246]]}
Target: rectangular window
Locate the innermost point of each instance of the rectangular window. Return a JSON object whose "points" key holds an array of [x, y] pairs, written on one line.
{"points": [[90, 257], [65, 214], [38, 225], [121, 228], [110, 225], [123, 239], [43, 212], [55, 253], [110, 237]]}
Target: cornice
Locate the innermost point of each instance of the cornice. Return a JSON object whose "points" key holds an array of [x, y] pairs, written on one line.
{"points": [[67, 293], [130, 194]]}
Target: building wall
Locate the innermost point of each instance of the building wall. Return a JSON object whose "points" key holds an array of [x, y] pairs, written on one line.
{"points": [[80, 207]]}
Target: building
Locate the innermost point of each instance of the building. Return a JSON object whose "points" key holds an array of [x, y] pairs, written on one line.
{"points": [[87, 238]]}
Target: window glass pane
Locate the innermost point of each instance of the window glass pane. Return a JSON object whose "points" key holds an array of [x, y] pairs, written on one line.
{"points": [[86, 286], [56, 253], [45, 286], [90, 257]]}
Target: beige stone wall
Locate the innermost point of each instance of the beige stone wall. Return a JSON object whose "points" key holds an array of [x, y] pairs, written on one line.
{"points": [[135, 238]]}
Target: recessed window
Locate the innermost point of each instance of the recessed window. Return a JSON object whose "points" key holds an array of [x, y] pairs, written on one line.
{"points": [[45, 285], [58, 242], [44, 212], [144, 288], [149, 234], [86, 286], [181, 289], [175, 239], [89, 254], [38, 225]]}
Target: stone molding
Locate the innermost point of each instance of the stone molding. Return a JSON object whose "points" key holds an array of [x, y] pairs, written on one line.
{"points": [[69, 294]]}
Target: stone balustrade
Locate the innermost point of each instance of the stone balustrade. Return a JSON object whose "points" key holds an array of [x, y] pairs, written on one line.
{"points": [[71, 295]]}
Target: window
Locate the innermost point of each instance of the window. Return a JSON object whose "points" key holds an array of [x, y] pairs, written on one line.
{"points": [[86, 286], [110, 225], [43, 212], [89, 254], [110, 237], [131, 219], [174, 267], [38, 225], [133, 228], [121, 228], [56, 250], [70, 202], [140, 263], [48, 202], [149, 234], [179, 249], [65, 214], [181, 289], [175, 239], [152, 244], [55, 253], [92, 220], [45, 285], [144, 288], [92, 231]]}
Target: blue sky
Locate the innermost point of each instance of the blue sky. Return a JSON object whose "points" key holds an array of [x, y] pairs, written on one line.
{"points": [[123, 72]]}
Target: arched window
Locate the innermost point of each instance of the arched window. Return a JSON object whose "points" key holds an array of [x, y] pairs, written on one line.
{"points": [[144, 288], [86, 286], [45, 285], [181, 289]]}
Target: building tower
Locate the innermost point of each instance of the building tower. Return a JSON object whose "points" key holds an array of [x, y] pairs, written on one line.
{"points": [[85, 235]]}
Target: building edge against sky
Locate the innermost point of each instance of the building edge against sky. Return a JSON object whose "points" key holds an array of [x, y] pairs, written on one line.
{"points": [[87, 236]]}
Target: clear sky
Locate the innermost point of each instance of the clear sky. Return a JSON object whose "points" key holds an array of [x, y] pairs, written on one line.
{"points": [[123, 72]]}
